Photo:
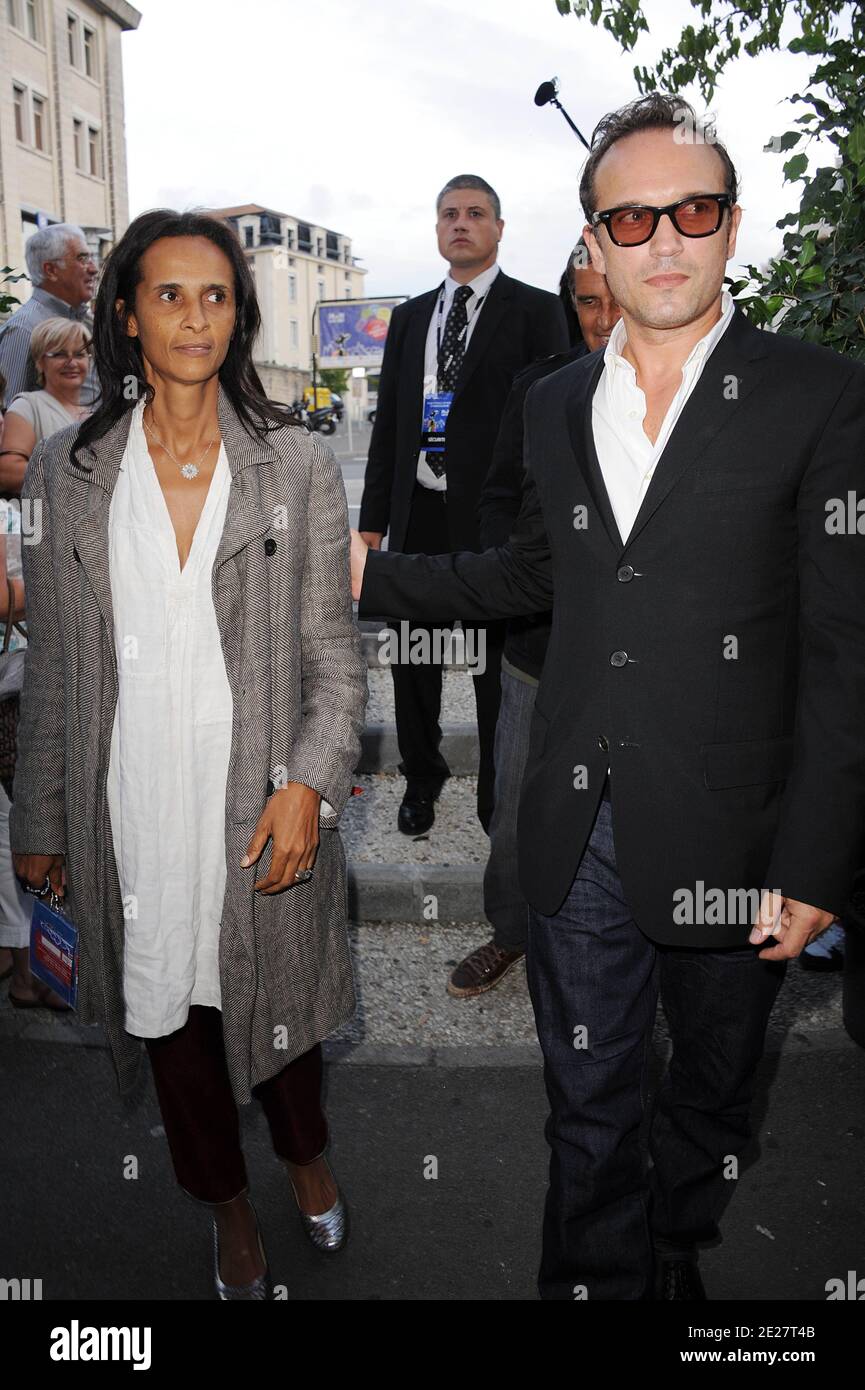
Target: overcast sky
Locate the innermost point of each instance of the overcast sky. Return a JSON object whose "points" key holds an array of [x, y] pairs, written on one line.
{"points": [[353, 115]]}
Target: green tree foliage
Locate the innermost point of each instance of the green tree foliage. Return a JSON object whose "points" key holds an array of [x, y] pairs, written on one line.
{"points": [[335, 379], [817, 284]]}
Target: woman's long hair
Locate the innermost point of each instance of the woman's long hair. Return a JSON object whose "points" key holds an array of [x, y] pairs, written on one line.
{"points": [[119, 360]]}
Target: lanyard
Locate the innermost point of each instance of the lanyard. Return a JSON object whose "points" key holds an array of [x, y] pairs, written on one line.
{"points": [[463, 331]]}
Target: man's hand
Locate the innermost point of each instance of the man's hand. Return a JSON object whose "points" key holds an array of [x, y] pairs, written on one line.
{"points": [[291, 817], [359, 548], [35, 868], [794, 926], [372, 538]]}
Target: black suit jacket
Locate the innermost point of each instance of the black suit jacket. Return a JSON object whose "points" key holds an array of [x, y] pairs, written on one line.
{"points": [[517, 324], [716, 659]]}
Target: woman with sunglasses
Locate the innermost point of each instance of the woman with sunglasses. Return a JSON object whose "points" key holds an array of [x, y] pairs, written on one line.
{"points": [[60, 349]]}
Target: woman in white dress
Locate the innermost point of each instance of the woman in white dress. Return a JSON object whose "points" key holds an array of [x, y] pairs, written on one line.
{"points": [[176, 314], [60, 349]]}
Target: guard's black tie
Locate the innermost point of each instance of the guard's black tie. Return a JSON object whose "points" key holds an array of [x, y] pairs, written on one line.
{"points": [[450, 359]]}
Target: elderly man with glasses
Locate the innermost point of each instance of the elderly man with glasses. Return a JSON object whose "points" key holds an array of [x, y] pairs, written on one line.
{"points": [[63, 272]]}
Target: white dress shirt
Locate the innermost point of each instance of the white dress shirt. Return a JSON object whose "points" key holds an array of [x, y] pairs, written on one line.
{"points": [[170, 745], [480, 285], [625, 453]]}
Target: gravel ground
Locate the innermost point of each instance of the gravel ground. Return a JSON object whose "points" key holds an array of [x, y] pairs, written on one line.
{"points": [[401, 971], [370, 833], [458, 697]]}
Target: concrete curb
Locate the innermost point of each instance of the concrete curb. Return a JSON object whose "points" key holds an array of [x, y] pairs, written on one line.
{"points": [[793, 1041], [405, 892], [380, 751]]}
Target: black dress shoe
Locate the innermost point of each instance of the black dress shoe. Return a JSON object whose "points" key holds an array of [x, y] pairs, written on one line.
{"points": [[679, 1279], [416, 814]]}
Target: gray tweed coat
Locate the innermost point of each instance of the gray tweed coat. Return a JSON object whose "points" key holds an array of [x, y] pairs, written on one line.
{"points": [[281, 591]]}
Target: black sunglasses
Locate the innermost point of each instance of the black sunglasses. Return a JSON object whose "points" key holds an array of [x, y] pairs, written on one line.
{"points": [[696, 216]]}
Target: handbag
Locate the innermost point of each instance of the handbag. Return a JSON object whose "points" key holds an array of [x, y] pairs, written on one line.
{"points": [[11, 681]]}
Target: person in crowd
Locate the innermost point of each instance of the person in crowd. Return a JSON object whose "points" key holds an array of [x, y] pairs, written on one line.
{"points": [[63, 272], [526, 640], [25, 991], [458, 346], [190, 586], [686, 822], [61, 354]]}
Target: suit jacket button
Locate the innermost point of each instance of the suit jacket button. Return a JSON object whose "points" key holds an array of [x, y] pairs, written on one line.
{"points": [[269, 545], [269, 787], [625, 574], [603, 743], [619, 659]]}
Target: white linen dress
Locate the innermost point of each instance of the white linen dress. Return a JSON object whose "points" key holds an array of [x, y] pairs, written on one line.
{"points": [[170, 745]]}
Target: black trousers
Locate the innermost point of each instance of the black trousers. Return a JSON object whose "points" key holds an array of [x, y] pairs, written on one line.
{"points": [[594, 979], [200, 1117], [418, 688]]}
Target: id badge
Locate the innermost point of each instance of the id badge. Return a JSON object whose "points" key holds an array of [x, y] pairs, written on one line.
{"points": [[435, 418], [54, 949]]}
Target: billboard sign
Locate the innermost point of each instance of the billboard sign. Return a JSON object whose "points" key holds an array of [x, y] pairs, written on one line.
{"points": [[352, 332]]}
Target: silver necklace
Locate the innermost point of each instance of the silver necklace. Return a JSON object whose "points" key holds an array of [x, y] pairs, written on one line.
{"points": [[189, 470]]}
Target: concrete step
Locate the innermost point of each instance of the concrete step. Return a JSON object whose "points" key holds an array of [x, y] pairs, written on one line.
{"points": [[380, 750]]}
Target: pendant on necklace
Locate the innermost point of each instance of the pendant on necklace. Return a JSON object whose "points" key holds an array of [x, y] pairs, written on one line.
{"points": [[189, 470]]}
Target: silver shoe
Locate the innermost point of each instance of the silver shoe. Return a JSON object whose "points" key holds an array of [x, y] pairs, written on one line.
{"points": [[260, 1286], [329, 1231]]}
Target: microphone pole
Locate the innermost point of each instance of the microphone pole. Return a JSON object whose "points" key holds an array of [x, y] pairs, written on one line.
{"points": [[546, 93]]}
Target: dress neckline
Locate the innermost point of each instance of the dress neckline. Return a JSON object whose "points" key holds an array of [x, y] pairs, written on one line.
{"points": [[213, 492]]}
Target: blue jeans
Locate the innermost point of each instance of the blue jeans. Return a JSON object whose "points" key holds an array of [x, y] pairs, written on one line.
{"points": [[591, 968], [504, 904]]}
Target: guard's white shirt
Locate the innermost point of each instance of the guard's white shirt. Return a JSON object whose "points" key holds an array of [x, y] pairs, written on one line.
{"points": [[170, 745], [626, 455], [474, 307]]}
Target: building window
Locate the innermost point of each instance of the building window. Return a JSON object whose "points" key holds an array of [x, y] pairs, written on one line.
{"points": [[348, 275], [25, 15], [289, 238], [332, 246], [19, 96], [292, 288], [294, 339], [319, 241], [321, 289], [34, 28], [40, 125], [304, 237], [94, 152], [89, 52], [248, 235], [72, 39], [348, 291]]}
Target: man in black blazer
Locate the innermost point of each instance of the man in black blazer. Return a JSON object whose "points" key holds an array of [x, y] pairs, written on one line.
{"points": [[696, 758], [463, 342]]}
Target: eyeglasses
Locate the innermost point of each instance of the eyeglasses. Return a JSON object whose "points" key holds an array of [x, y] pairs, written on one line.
{"points": [[80, 355], [693, 217]]}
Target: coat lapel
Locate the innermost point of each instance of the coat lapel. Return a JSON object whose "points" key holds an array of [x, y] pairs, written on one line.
{"points": [[244, 518], [579, 412], [492, 312]]}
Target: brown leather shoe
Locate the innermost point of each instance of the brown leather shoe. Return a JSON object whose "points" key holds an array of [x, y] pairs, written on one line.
{"points": [[482, 970]]}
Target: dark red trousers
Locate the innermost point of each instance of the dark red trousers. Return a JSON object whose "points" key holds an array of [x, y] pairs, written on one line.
{"points": [[200, 1116]]}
